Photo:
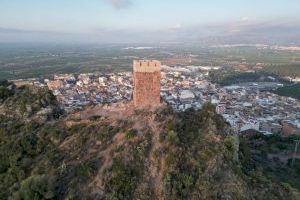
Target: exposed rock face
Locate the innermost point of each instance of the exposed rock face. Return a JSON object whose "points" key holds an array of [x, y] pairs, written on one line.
{"points": [[31, 103]]}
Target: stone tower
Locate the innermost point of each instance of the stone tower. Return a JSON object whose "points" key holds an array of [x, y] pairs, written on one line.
{"points": [[146, 81]]}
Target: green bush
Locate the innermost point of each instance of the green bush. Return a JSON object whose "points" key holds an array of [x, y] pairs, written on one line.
{"points": [[229, 144], [5, 93], [35, 188], [121, 181], [172, 138], [107, 133], [85, 169], [131, 133]]}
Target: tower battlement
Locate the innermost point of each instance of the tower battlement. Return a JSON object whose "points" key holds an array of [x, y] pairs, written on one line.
{"points": [[146, 66], [146, 80]]}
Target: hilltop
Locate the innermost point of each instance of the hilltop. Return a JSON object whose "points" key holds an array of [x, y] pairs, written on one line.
{"points": [[119, 152]]}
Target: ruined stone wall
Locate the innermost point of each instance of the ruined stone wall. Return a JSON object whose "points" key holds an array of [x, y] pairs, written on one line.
{"points": [[146, 83]]}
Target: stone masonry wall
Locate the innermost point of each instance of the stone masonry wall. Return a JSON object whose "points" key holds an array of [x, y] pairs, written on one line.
{"points": [[146, 84]]}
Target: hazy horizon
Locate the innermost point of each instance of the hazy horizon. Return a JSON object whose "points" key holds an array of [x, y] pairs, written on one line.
{"points": [[138, 21]]}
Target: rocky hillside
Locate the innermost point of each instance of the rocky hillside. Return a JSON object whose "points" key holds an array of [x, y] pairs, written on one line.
{"points": [[117, 152], [28, 103]]}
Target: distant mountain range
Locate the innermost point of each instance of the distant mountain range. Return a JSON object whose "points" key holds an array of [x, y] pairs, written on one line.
{"points": [[230, 33]]}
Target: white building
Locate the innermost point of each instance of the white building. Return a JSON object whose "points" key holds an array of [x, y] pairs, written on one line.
{"points": [[186, 95]]}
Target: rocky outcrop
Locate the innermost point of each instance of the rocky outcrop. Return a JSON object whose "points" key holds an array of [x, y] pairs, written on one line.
{"points": [[31, 103]]}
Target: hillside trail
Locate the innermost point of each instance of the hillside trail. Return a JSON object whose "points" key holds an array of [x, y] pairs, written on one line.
{"points": [[155, 168], [106, 162], [154, 165]]}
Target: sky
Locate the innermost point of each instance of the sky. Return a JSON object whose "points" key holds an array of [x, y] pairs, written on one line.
{"points": [[108, 20]]}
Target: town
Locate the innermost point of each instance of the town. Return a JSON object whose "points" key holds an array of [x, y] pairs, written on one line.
{"points": [[245, 107]]}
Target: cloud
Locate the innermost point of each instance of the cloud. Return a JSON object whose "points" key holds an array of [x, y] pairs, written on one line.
{"points": [[119, 4], [244, 19], [176, 27]]}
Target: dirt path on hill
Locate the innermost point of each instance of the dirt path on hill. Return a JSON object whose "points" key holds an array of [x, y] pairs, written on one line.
{"points": [[106, 161], [155, 168], [154, 164]]}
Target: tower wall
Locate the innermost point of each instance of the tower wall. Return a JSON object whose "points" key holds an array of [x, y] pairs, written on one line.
{"points": [[146, 78]]}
